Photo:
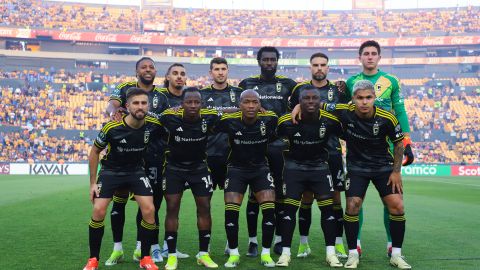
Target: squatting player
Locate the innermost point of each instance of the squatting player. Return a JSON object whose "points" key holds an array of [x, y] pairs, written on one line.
{"points": [[274, 91], [368, 131], [306, 169], [249, 133], [122, 167], [188, 130]]}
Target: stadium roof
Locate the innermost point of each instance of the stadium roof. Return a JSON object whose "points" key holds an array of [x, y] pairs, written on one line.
{"points": [[289, 4]]}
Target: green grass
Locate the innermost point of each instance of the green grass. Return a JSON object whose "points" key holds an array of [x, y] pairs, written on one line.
{"points": [[44, 226]]}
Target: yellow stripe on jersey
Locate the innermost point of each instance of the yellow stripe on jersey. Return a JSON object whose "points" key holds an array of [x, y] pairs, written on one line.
{"points": [[173, 112], [208, 111], [231, 115], [300, 84], [152, 120], [328, 115], [206, 87], [280, 77], [126, 83], [267, 113], [255, 76], [284, 118], [110, 125], [388, 115]]}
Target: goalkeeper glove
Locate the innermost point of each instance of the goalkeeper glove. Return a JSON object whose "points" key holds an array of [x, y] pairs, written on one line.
{"points": [[407, 144]]}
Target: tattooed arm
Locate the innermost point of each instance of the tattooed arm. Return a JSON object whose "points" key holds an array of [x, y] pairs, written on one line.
{"points": [[395, 178]]}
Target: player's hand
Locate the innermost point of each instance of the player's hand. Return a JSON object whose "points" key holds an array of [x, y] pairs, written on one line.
{"points": [[94, 192], [176, 109], [342, 86], [117, 114], [408, 153], [296, 114], [395, 180], [262, 110]]}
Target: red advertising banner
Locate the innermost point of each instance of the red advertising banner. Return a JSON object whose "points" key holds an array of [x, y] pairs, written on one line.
{"points": [[4, 168], [466, 170], [236, 42]]}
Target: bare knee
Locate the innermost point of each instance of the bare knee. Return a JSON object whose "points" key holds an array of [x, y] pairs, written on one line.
{"points": [[394, 204], [353, 205]]}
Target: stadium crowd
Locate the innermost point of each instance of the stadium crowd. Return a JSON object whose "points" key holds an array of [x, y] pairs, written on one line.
{"points": [[218, 23]]}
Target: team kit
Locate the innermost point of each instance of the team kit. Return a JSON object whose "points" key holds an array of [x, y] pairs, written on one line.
{"points": [[271, 139]]}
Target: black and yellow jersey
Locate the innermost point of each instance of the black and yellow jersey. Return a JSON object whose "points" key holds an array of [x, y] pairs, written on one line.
{"points": [[173, 100], [308, 140], [187, 141], [273, 94], [248, 143], [368, 148], [126, 145]]}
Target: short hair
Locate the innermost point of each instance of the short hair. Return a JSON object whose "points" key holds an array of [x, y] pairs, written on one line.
{"points": [[319, 54], [363, 85], [249, 91], [165, 82], [218, 60], [143, 59], [190, 90], [369, 43], [267, 49], [135, 91], [308, 87]]}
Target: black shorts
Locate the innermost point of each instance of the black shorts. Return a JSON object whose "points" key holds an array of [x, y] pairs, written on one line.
{"points": [[154, 171], [298, 181], [275, 163], [335, 163], [136, 182], [218, 170], [356, 184], [199, 181], [238, 179]]}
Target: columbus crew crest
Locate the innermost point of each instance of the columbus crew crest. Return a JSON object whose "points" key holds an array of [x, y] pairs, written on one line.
{"points": [[322, 131], [204, 126], [330, 94], [155, 102], [376, 129], [232, 96], [284, 189], [226, 183], [279, 87], [146, 137], [263, 129]]}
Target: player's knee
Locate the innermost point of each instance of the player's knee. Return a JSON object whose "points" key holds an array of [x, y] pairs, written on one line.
{"points": [[99, 212], [307, 197], [203, 210], [396, 208], [353, 205]]}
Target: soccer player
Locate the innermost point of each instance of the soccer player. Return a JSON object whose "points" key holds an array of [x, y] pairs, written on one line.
{"points": [[274, 91], [390, 98], [222, 97], [249, 133], [306, 169], [188, 130], [368, 131], [154, 157], [329, 93], [122, 167]]}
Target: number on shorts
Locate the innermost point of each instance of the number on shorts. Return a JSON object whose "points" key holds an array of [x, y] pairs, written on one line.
{"points": [[330, 180], [146, 182], [207, 180], [153, 173], [270, 179]]}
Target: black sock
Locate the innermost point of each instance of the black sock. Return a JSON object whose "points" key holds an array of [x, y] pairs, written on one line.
{"points": [[117, 217], [95, 235], [171, 238], [328, 221], [139, 219], [157, 202], [279, 212], [338, 214], [289, 221], [252, 216], [146, 235], [268, 223], [232, 212], [397, 229], [204, 240], [351, 230], [304, 218]]}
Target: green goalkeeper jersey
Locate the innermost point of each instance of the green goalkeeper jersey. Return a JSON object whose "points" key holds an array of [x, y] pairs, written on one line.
{"points": [[387, 90]]}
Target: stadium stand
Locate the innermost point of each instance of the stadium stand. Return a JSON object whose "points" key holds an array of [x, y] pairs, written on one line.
{"points": [[219, 23]]}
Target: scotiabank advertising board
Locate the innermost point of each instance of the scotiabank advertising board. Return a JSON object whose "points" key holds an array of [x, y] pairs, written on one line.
{"points": [[466, 170]]}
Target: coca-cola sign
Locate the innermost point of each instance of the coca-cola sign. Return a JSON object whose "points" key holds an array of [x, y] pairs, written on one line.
{"points": [[175, 40], [241, 42], [271, 42], [140, 39], [434, 41], [405, 42], [324, 42], [350, 42], [208, 41], [461, 40], [297, 42], [70, 36], [105, 38]]}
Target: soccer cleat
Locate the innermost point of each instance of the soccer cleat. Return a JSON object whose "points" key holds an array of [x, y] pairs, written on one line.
{"points": [[389, 252], [180, 255], [399, 262], [252, 250], [92, 264], [147, 263], [137, 255], [332, 261], [303, 250], [277, 248], [233, 261], [172, 263], [340, 250], [283, 261], [157, 256], [116, 257], [206, 261], [352, 261], [267, 261]]}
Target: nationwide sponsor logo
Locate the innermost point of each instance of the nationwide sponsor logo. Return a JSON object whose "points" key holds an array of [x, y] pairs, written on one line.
{"points": [[70, 36], [4, 168], [49, 169], [175, 40], [105, 37], [249, 142], [466, 170], [127, 150], [181, 139], [140, 39], [270, 97]]}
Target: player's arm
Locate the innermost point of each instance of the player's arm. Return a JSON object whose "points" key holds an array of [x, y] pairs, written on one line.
{"points": [[395, 134], [114, 109], [284, 126], [93, 159], [398, 106], [342, 86]]}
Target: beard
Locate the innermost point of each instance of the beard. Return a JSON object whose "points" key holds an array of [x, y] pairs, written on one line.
{"points": [[268, 72], [139, 118], [145, 81], [320, 77]]}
